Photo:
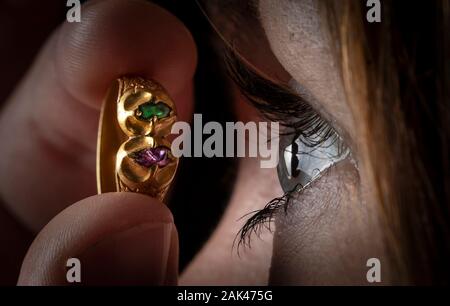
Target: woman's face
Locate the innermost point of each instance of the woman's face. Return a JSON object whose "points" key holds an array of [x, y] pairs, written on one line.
{"points": [[329, 230]]}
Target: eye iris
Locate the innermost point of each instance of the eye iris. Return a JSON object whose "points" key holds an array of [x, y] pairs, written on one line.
{"points": [[304, 162], [149, 110]]}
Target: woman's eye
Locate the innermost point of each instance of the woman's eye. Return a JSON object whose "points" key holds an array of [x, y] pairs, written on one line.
{"points": [[304, 158]]}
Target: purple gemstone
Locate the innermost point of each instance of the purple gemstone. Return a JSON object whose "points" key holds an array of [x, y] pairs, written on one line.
{"points": [[151, 156]]}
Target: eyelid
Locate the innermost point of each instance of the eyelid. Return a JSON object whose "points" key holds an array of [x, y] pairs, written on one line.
{"points": [[329, 117]]}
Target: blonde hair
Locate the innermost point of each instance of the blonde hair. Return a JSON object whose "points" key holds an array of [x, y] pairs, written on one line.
{"points": [[396, 77]]}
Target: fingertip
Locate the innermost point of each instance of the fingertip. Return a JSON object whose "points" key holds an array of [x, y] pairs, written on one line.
{"points": [[131, 234], [129, 207], [116, 38]]}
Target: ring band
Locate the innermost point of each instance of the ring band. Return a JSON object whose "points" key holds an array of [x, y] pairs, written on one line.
{"points": [[133, 152]]}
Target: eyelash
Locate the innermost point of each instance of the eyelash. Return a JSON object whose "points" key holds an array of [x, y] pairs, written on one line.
{"points": [[263, 218], [276, 103], [279, 103]]}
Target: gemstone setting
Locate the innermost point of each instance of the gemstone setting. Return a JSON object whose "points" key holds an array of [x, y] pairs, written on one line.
{"points": [[149, 110], [150, 157]]}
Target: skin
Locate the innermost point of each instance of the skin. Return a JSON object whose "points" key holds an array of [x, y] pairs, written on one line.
{"points": [[323, 240], [332, 229]]}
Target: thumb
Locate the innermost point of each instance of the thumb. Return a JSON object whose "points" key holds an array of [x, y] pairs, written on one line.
{"points": [[119, 239]]}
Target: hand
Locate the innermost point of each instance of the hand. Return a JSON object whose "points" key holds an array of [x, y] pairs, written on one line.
{"points": [[48, 128]]}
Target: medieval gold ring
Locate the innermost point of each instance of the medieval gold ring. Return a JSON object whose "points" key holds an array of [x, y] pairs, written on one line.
{"points": [[133, 149]]}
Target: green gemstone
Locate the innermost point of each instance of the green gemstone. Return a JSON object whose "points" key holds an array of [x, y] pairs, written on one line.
{"points": [[149, 110]]}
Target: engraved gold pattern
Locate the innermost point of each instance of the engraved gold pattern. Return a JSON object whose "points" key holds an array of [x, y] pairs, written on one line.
{"points": [[122, 133]]}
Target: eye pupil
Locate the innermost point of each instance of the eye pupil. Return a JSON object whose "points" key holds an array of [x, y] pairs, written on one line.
{"points": [[294, 160]]}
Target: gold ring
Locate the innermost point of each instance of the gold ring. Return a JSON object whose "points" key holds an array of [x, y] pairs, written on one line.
{"points": [[133, 149]]}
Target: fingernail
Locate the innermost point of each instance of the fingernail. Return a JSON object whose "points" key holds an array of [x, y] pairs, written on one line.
{"points": [[137, 256]]}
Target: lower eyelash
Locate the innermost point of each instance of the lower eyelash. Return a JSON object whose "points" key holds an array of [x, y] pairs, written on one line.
{"points": [[263, 218]]}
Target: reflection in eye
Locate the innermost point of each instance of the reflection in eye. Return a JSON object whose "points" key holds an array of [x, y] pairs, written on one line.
{"points": [[301, 163]]}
